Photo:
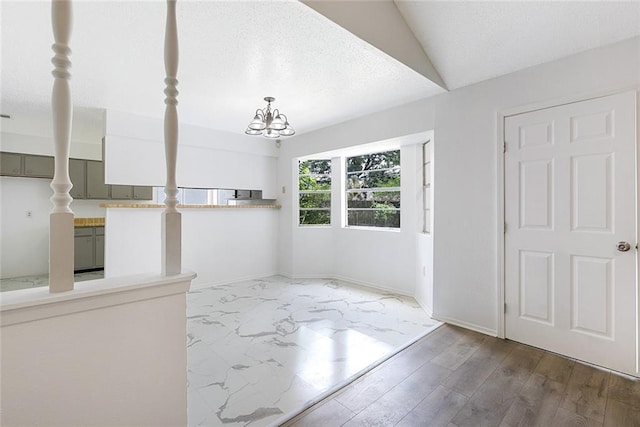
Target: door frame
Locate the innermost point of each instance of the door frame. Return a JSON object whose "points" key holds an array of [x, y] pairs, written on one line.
{"points": [[500, 217]]}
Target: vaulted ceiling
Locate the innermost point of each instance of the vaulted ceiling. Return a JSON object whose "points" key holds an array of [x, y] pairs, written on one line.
{"points": [[324, 62]]}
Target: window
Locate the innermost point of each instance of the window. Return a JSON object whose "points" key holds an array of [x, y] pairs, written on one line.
{"points": [[426, 186], [314, 189], [373, 190], [190, 196]]}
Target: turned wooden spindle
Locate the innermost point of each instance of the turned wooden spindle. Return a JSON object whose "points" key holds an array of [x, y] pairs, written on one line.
{"points": [[171, 218], [61, 232]]}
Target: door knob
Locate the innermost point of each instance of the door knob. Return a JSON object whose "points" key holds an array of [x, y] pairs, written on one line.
{"points": [[623, 246]]}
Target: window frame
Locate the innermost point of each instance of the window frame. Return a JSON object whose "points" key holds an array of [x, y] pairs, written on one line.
{"points": [[395, 189], [427, 187], [329, 191]]}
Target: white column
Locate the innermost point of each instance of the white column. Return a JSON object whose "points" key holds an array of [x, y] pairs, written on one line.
{"points": [[61, 234], [171, 218]]}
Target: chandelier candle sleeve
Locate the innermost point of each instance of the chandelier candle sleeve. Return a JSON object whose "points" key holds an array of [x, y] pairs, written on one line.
{"points": [[269, 123]]}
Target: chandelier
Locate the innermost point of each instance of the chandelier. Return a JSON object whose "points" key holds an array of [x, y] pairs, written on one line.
{"points": [[270, 124]]}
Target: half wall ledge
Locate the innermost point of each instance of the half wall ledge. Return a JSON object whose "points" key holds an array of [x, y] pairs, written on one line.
{"points": [[32, 304]]}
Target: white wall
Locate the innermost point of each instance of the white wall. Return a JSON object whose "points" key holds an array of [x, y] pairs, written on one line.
{"points": [[466, 152], [42, 145], [392, 262], [108, 353], [465, 196], [220, 245], [207, 158], [24, 246], [379, 258]]}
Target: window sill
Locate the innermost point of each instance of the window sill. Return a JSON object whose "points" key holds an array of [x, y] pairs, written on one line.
{"points": [[387, 229]]}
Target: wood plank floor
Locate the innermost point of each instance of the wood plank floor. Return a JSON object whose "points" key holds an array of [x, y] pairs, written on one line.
{"points": [[455, 377]]}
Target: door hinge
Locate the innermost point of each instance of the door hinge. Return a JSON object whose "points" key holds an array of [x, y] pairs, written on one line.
{"points": [[504, 147], [504, 228], [505, 308]]}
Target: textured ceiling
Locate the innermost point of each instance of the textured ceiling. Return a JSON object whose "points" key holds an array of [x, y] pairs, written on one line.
{"points": [[472, 41], [232, 54]]}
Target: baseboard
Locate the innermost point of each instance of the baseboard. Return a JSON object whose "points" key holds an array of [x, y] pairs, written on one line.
{"points": [[424, 307], [372, 285], [467, 325], [352, 281], [314, 276], [233, 280]]}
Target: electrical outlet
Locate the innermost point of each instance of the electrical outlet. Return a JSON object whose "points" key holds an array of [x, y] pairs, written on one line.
{"points": [[284, 189], [424, 271], [29, 214]]}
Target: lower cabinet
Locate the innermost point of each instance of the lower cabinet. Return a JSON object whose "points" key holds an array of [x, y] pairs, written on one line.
{"points": [[89, 248], [99, 247]]}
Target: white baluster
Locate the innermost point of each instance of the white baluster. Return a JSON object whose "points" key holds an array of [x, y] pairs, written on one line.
{"points": [[61, 232], [171, 218]]}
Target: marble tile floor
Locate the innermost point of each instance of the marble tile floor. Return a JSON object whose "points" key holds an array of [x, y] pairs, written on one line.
{"points": [[260, 351], [24, 282]]}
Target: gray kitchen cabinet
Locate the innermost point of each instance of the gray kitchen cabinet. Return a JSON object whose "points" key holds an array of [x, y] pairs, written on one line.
{"points": [[38, 166], [10, 164], [96, 188], [87, 176], [83, 257], [78, 173], [121, 192], [99, 247], [89, 248], [142, 193]]}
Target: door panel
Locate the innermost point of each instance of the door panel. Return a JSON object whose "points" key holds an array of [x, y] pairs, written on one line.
{"points": [[570, 197], [591, 192], [536, 189]]}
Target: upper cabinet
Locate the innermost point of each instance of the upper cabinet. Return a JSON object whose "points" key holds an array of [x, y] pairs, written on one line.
{"points": [[10, 164], [77, 173], [142, 193], [96, 188], [122, 192], [38, 166], [87, 177], [16, 164]]}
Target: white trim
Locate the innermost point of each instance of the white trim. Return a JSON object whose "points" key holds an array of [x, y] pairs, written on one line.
{"points": [[556, 102], [350, 280], [637, 373], [373, 190], [27, 305], [424, 307], [500, 268], [234, 280], [369, 228], [373, 285], [467, 325]]}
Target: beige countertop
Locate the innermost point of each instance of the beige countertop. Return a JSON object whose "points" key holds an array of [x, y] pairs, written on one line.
{"points": [[155, 206], [88, 222]]}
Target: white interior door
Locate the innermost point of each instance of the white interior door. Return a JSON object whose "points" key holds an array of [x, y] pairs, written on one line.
{"points": [[570, 197]]}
